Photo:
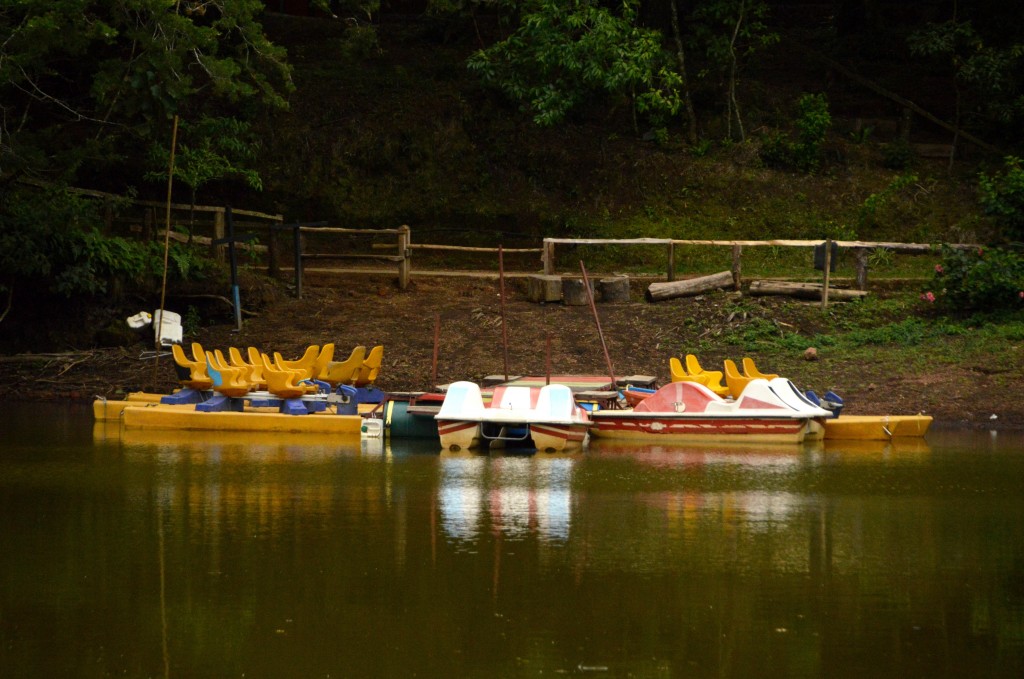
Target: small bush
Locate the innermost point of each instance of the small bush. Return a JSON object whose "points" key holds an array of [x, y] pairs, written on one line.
{"points": [[978, 280], [1002, 196], [812, 124], [897, 155]]}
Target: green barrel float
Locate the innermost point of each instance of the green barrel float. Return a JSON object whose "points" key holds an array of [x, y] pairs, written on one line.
{"points": [[399, 423]]}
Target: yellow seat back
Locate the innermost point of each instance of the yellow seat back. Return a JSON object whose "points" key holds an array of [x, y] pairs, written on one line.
{"points": [[344, 372], [751, 371], [737, 382], [232, 380], [305, 364], [676, 370], [325, 356], [712, 379], [198, 379], [254, 372], [371, 367], [283, 382]]}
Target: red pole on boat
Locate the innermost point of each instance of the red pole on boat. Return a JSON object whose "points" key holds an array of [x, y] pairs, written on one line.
{"points": [[504, 328], [437, 341], [600, 333], [547, 360]]}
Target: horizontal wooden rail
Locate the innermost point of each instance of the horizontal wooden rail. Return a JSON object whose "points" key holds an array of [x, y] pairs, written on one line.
{"points": [[354, 255], [466, 248], [335, 229]]}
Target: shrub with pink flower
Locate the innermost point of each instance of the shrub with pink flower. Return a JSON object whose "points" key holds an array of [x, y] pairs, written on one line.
{"points": [[977, 279]]}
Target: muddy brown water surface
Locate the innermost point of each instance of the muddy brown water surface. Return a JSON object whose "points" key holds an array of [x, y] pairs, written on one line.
{"points": [[134, 553]]}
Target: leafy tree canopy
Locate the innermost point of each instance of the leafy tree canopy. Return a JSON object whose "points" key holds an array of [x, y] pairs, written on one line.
{"points": [[80, 79], [566, 51]]}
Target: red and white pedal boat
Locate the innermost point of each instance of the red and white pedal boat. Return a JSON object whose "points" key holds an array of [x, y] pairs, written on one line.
{"points": [[767, 411], [548, 417]]}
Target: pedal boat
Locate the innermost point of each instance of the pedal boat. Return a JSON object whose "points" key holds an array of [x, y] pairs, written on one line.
{"points": [[768, 411], [546, 418]]}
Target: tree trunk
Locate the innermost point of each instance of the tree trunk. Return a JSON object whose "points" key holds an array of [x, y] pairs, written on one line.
{"points": [[802, 290], [691, 129], [540, 288], [614, 289], [657, 292], [734, 105]]}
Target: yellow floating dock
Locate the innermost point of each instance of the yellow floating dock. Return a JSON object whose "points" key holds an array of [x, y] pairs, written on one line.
{"points": [[876, 427], [105, 410], [186, 417]]}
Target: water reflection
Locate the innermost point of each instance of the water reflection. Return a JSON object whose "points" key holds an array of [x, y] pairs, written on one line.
{"points": [[516, 495], [224, 555]]}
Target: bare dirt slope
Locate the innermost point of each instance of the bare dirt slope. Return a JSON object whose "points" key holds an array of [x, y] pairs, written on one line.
{"points": [[640, 338]]}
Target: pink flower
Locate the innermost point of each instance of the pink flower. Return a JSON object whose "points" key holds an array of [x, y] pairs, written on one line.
{"points": [[938, 269], [1021, 294], [928, 297]]}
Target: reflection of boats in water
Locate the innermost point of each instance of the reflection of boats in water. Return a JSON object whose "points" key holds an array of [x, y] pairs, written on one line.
{"points": [[903, 447], [515, 495], [707, 453], [253, 442]]}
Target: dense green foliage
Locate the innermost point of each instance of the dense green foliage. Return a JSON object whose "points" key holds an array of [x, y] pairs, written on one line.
{"points": [[566, 51], [86, 85], [1002, 195], [974, 280], [804, 152], [987, 78], [390, 126], [51, 241], [210, 149]]}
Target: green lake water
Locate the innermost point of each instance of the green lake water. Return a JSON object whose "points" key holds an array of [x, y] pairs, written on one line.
{"points": [[145, 556]]}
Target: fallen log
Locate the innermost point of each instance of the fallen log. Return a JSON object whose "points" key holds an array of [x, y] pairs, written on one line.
{"points": [[657, 292], [802, 290]]}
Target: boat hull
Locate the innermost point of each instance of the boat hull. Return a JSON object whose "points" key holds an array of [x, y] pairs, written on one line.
{"points": [[110, 410], [558, 437], [160, 416], [458, 435], [463, 435], [678, 428], [876, 427]]}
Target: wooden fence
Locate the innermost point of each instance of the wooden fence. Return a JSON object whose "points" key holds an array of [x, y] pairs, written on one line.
{"points": [[145, 219], [861, 250]]}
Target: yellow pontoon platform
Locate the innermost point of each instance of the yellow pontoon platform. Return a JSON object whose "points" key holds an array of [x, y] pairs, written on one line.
{"points": [[110, 409], [186, 417], [876, 427]]}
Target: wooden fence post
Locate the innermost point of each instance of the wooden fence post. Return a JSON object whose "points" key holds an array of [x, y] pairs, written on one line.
{"points": [[273, 268], [298, 261], [862, 268], [218, 234], [148, 218], [404, 240], [737, 267], [548, 257], [671, 261], [828, 266]]}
